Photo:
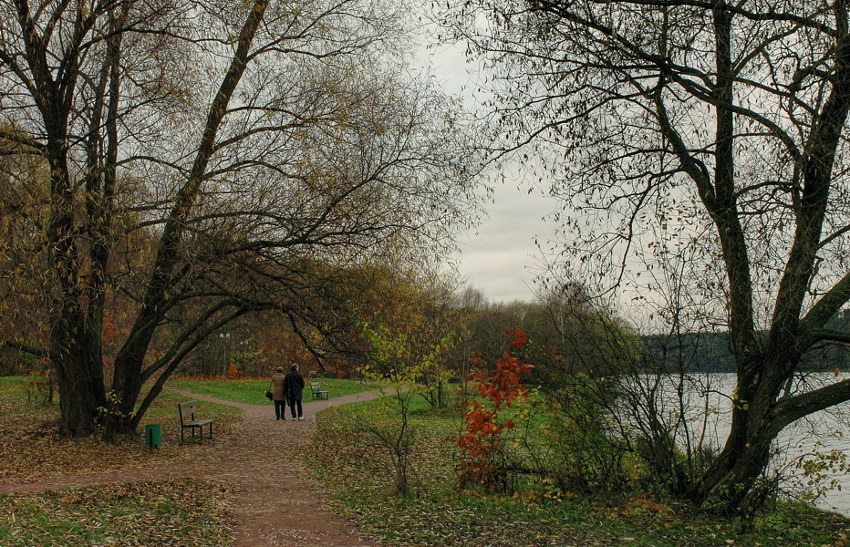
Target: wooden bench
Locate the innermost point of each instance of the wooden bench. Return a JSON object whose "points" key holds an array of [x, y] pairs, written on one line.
{"points": [[188, 421], [318, 392]]}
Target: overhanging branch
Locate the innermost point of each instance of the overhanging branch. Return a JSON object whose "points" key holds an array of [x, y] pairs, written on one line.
{"points": [[793, 408]]}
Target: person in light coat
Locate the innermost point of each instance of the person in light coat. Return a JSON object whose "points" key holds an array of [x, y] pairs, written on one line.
{"points": [[279, 394]]}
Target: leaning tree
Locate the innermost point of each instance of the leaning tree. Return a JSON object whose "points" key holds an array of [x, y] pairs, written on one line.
{"points": [[197, 161], [698, 142]]}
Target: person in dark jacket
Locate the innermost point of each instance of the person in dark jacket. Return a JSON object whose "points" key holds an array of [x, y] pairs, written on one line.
{"points": [[293, 385], [278, 393]]}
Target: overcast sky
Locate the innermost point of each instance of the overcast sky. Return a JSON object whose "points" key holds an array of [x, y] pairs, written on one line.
{"points": [[499, 257]]}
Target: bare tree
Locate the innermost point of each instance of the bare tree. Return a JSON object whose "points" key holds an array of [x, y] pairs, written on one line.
{"points": [[186, 141], [708, 136]]}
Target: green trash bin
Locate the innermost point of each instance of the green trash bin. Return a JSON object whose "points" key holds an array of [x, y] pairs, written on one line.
{"points": [[153, 435]]}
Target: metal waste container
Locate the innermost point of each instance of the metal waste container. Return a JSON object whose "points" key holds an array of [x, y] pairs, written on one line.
{"points": [[153, 435]]}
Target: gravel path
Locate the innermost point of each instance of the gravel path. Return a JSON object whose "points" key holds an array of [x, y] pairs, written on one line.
{"points": [[273, 498]]}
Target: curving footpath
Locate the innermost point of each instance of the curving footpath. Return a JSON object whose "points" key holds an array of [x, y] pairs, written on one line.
{"points": [[273, 498]]}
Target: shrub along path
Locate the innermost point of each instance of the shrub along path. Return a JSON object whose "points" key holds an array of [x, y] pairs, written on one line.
{"points": [[272, 496]]}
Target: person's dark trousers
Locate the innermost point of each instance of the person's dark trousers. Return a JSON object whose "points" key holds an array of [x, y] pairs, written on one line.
{"points": [[293, 404], [280, 410]]}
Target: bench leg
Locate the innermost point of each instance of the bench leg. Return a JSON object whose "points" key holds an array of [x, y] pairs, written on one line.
{"points": [[197, 432]]}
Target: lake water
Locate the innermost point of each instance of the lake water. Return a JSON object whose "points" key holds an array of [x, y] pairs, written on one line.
{"points": [[820, 433]]}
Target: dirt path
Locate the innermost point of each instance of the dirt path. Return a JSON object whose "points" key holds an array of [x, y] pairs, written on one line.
{"points": [[273, 498]]}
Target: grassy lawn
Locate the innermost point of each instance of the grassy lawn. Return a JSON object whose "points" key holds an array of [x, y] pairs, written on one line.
{"points": [[253, 391], [31, 448], [357, 470], [175, 512], [16, 402]]}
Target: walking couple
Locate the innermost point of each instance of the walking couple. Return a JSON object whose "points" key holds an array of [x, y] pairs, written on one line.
{"points": [[287, 387]]}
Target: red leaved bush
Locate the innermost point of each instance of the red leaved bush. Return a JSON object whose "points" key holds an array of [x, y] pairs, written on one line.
{"points": [[480, 441]]}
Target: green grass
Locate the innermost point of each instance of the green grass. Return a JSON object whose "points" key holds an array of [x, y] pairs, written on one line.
{"points": [[17, 401], [14, 388], [253, 391], [174, 512], [16, 394], [354, 469]]}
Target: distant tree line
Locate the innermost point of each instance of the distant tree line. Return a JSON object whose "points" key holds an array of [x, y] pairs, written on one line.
{"points": [[698, 352]]}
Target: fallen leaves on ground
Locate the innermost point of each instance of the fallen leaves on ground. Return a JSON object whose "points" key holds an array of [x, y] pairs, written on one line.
{"points": [[355, 472], [32, 449], [186, 512]]}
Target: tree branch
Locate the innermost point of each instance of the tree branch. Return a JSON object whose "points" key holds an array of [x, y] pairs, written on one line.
{"points": [[793, 408], [25, 348]]}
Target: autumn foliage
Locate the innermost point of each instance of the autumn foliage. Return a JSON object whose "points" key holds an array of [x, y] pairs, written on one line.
{"points": [[233, 372], [480, 442]]}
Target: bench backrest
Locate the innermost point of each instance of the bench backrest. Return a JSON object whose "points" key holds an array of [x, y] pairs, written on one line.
{"points": [[315, 386], [187, 411]]}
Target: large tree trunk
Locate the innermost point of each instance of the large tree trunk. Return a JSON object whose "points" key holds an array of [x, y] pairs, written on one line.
{"points": [[743, 458], [126, 386], [79, 372], [756, 422], [728, 483], [75, 342]]}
